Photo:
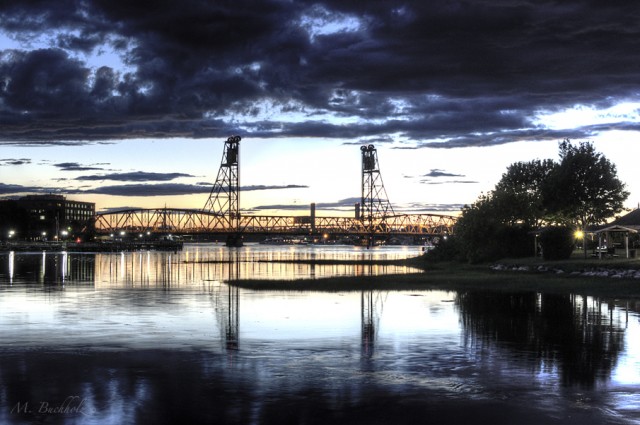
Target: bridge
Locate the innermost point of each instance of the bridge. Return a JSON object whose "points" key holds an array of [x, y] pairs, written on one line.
{"points": [[221, 215]]}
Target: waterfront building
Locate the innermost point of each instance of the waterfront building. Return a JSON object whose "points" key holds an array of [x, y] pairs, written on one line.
{"points": [[46, 217]]}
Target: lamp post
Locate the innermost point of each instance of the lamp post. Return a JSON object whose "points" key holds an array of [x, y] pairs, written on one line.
{"points": [[579, 234]]}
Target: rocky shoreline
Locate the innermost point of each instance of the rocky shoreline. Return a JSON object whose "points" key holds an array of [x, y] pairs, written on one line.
{"points": [[610, 272]]}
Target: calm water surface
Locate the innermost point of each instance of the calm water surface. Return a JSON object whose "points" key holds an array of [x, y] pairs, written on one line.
{"points": [[151, 337]]}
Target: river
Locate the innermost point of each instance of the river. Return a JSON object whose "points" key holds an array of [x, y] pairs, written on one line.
{"points": [[161, 337]]}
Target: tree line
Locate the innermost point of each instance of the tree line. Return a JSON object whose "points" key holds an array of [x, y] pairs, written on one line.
{"points": [[579, 190]]}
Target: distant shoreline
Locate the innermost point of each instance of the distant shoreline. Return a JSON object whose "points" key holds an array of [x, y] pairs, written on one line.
{"points": [[106, 246]]}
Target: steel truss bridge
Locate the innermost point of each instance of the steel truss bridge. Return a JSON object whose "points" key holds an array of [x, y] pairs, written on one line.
{"points": [[221, 214], [179, 221]]}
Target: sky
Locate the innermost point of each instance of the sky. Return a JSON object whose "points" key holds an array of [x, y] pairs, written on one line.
{"points": [[128, 103]]}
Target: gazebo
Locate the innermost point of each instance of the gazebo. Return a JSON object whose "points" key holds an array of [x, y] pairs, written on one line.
{"points": [[627, 225]]}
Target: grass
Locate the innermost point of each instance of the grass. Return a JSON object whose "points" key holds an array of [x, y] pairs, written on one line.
{"points": [[461, 277]]}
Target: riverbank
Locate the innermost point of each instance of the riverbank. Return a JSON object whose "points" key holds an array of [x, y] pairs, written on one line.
{"points": [[462, 277]]}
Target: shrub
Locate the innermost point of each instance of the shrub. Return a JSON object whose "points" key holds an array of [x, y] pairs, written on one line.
{"points": [[445, 250], [557, 243], [515, 242]]}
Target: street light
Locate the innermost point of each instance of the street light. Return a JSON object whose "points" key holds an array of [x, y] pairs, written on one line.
{"points": [[11, 233], [579, 234]]}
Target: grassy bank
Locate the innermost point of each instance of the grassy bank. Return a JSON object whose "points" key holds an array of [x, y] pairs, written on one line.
{"points": [[461, 277]]}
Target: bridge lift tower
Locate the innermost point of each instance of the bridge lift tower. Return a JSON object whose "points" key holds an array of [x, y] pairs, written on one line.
{"points": [[375, 206], [224, 198]]}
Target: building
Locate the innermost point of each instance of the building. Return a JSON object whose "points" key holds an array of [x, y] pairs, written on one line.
{"points": [[46, 217]]}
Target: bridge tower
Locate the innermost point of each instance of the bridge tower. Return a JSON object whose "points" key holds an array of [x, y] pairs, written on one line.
{"points": [[375, 205], [224, 199]]}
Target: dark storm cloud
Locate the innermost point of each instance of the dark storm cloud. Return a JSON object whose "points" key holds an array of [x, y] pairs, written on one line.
{"points": [[432, 73], [136, 176]]}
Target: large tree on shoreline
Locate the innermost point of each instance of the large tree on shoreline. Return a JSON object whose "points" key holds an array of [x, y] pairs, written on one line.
{"points": [[583, 189], [580, 190], [519, 192]]}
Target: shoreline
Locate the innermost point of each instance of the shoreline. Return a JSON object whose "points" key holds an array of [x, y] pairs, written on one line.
{"points": [[501, 282], [462, 277]]}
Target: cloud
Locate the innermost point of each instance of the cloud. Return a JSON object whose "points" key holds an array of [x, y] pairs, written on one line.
{"points": [[14, 189], [107, 210], [423, 208], [348, 205], [74, 166], [137, 190], [15, 161], [441, 173], [252, 188], [341, 205], [170, 189], [449, 181], [136, 176], [424, 75], [145, 190]]}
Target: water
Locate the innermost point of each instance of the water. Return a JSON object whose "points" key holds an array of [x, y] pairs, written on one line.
{"points": [[150, 338]]}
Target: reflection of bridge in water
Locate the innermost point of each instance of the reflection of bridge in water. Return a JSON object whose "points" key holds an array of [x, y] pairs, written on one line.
{"points": [[221, 213], [228, 312]]}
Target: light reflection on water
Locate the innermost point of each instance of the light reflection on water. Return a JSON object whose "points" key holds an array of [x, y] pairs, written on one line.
{"points": [[197, 262], [147, 338]]}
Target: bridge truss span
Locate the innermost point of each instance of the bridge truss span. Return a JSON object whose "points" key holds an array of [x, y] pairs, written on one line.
{"points": [[192, 222], [221, 214]]}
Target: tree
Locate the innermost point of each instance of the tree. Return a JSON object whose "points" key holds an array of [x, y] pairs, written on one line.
{"points": [[519, 192], [583, 188]]}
